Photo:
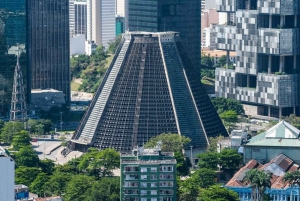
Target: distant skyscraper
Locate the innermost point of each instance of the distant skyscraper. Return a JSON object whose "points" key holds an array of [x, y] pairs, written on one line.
{"points": [[168, 15], [48, 45], [151, 87], [101, 22], [78, 17], [13, 31]]}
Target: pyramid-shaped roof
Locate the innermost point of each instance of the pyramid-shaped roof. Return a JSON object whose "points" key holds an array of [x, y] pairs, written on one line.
{"points": [[282, 134], [151, 87], [282, 130]]}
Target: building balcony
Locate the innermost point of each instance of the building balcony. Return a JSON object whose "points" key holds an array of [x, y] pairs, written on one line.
{"points": [[279, 7], [226, 37], [283, 42], [226, 5]]}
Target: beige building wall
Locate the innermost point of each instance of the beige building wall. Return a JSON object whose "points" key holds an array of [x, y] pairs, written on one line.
{"points": [[208, 17]]}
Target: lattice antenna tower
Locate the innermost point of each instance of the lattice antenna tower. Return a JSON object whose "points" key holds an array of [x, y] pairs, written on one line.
{"points": [[18, 110]]}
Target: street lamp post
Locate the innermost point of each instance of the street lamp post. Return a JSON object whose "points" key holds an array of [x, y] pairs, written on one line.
{"points": [[60, 122], [192, 156]]}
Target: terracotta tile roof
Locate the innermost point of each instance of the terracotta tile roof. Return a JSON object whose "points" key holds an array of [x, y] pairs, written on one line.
{"points": [[282, 161]]}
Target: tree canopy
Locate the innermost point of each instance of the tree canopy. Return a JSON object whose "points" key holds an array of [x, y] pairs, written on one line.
{"points": [[218, 193], [77, 188], [9, 130], [26, 156], [170, 142], [26, 175], [224, 104], [21, 139]]}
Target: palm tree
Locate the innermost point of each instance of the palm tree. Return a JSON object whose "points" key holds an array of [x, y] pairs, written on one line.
{"points": [[292, 178], [259, 181], [263, 181], [250, 178]]}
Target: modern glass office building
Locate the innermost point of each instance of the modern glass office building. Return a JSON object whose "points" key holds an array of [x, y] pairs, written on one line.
{"points": [[49, 45], [168, 15], [13, 31]]}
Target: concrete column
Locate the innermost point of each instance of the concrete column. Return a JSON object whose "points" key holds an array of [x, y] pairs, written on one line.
{"points": [[248, 80], [295, 62], [270, 64], [227, 58], [281, 21], [280, 113], [281, 65], [269, 111], [270, 21], [228, 17]]}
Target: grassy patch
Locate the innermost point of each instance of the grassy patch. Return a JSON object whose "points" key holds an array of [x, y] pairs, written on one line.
{"points": [[74, 86], [206, 82], [109, 59]]}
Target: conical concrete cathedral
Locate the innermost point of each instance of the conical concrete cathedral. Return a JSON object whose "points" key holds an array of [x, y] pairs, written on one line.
{"points": [[150, 88]]}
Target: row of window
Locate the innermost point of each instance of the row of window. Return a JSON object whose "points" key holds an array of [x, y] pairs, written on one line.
{"points": [[152, 169], [145, 185]]}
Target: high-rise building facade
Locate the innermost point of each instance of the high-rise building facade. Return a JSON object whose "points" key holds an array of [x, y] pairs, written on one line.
{"points": [[168, 15], [78, 17], [101, 22], [13, 33], [48, 45], [120, 8], [148, 175], [151, 87], [266, 40]]}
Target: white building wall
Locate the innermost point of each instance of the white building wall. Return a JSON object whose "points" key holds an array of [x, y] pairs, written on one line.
{"points": [[71, 16], [7, 179], [77, 45], [89, 20], [120, 8]]}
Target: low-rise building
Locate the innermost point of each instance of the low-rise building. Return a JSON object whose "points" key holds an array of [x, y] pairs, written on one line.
{"points": [[148, 175], [283, 138], [47, 98], [280, 190]]}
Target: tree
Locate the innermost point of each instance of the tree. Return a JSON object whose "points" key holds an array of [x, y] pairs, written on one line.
{"points": [[27, 157], [209, 160], [188, 190], [39, 129], [1, 124], [107, 189], [77, 188], [218, 193], [47, 166], [170, 142], [213, 143], [207, 61], [204, 177], [182, 165], [26, 175], [9, 130], [229, 118], [21, 139], [113, 44], [57, 185], [259, 181], [292, 178], [230, 159], [225, 104], [38, 185], [63, 140], [100, 163]]}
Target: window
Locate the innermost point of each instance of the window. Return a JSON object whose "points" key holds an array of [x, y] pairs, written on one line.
{"points": [[153, 177], [153, 184], [143, 199], [143, 192], [153, 199], [154, 192], [143, 177], [153, 169], [143, 169], [143, 184], [166, 169]]}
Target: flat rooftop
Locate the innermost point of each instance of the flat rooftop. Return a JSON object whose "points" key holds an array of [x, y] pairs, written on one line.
{"points": [[148, 162]]}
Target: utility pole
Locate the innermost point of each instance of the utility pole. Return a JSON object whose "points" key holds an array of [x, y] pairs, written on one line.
{"points": [[191, 156], [60, 122]]}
